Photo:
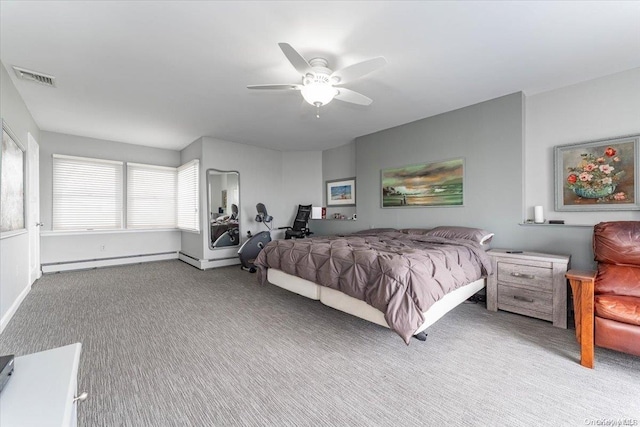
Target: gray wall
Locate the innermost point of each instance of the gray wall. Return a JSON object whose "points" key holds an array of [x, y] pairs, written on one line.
{"points": [[337, 163], [192, 243], [509, 163], [280, 180], [301, 172], [489, 136], [595, 109], [602, 108], [260, 181], [65, 246], [14, 250]]}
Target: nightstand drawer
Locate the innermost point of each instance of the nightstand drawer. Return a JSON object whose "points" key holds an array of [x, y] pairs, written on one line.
{"points": [[528, 275], [529, 283], [525, 301]]}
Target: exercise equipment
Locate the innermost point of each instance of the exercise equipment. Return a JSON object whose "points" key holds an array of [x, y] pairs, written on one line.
{"points": [[250, 249]]}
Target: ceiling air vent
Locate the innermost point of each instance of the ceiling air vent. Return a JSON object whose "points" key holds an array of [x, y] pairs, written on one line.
{"points": [[35, 76]]}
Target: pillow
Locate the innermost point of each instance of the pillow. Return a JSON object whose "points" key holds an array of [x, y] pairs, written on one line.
{"points": [[477, 235], [375, 231], [421, 231]]}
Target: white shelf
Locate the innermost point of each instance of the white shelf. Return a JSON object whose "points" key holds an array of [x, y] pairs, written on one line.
{"points": [[546, 224], [331, 219]]}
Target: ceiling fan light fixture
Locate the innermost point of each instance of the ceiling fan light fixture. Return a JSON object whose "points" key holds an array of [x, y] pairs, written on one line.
{"points": [[318, 80], [318, 93]]}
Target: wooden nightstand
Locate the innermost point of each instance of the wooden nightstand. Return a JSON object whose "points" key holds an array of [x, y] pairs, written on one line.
{"points": [[529, 283]]}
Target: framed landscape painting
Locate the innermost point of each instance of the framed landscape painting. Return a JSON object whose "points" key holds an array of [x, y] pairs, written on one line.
{"points": [[598, 175], [341, 192], [424, 185]]}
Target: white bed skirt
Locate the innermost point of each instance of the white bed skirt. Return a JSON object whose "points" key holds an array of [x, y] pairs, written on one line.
{"points": [[358, 308]]}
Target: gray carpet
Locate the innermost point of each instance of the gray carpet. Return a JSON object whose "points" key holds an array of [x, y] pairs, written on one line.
{"points": [[165, 344]]}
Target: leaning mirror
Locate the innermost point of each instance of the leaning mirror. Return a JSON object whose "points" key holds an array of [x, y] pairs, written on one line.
{"points": [[223, 193]]}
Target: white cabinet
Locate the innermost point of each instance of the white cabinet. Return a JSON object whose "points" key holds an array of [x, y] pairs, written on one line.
{"points": [[42, 389]]}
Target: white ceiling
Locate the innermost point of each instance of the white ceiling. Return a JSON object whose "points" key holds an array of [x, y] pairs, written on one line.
{"points": [[164, 73]]}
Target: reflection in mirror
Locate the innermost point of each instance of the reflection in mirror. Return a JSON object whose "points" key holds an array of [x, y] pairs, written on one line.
{"points": [[223, 188]]}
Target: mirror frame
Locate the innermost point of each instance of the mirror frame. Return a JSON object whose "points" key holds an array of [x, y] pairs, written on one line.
{"points": [[210, 243]]}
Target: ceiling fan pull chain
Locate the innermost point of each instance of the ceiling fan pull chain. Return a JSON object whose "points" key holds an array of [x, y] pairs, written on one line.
{"points": [[318, 110]]}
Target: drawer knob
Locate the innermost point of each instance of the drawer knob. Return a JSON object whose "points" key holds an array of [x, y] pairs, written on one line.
{"points": [[524, 276], [81, 398], [519, 298]]}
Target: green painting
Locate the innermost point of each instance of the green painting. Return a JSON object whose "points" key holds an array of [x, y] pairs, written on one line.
{"points": [[427, 184]]}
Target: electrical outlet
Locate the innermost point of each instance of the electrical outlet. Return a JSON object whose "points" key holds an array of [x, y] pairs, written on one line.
{"points": [[103, 248]]}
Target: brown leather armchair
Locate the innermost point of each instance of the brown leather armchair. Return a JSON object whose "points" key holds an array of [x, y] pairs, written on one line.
{"points": [[607, 301]]}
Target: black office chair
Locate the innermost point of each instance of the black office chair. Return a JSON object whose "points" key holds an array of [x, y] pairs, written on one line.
{"points": [[299, 229]]}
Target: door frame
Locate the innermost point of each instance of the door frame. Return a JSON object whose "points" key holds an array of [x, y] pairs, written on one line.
{"points": [[33, 207]]}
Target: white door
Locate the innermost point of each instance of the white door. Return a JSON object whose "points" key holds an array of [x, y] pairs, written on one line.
{"points": [[33, 209]]}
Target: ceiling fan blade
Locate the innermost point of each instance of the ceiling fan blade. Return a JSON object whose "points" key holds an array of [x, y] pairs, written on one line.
{"points": [[358, 70], [275, 87], [298, 62], [348, 95]]}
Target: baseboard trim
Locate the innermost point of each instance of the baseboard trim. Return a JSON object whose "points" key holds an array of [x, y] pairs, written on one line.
{"points": [[205, 264], [214, 263], [14, 307], [106, 262], [189, 260]]}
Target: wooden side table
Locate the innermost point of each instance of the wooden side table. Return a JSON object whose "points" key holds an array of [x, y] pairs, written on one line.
{"points": [[529, 283]]}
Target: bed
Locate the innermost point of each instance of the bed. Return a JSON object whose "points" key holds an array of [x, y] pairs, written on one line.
{"points": [[401, 279]]}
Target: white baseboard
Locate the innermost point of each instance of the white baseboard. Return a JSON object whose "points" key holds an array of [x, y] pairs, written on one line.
{"points": [[107, 262], [189, 260], [204, 264], [214, 263], [12, 310]]}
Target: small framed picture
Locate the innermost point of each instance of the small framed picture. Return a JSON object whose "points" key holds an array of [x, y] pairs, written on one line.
{"points": [[598, 175], [341, 192]]}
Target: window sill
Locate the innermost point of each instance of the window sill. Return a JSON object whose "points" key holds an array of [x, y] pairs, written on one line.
{"points": [[7, 234], [50, 233], [190, 231]]}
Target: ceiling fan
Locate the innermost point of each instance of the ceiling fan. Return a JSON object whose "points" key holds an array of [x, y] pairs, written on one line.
{"points": [[320, 85]]}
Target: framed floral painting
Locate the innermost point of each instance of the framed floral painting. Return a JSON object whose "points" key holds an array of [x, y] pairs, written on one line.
{"points": [[598, 175]]}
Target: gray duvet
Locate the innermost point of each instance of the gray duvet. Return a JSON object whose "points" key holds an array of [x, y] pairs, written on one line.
{"points": [[401, 275]]}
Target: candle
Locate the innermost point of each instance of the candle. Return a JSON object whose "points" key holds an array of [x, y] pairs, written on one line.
{"points": [[538, 216]]}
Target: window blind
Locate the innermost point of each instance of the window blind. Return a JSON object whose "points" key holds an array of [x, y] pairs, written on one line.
{"points": [[188, 200], [87, 193], [151, 196]]}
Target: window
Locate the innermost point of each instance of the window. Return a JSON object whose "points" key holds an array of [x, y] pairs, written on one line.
{"points": [[87, 193], [151, 196], [188, 212]]}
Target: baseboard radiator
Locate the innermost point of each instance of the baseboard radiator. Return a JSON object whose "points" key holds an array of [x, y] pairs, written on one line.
{"points": [[56, 267], [205, 264]]}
